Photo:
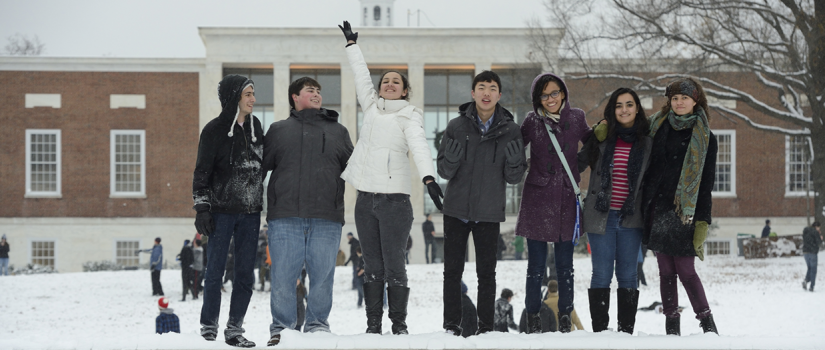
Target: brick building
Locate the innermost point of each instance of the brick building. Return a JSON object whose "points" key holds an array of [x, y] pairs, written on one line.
{"points": [[97, 154]]}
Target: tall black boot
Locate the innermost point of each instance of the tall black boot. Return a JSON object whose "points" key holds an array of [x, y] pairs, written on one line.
{"points": [[673, 326], [599, 305], [565, 323], [397, 298], [628, 300], [374, 305], [708, 325], [533, 323]]}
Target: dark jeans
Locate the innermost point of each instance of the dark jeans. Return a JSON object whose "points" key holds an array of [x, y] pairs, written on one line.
{"points": [[157, 289], [640, 273], [485, 239], [811, 259], [187, 276], [682, 266], [383, 222], [244, 229], [429, 250], [536, 259]]}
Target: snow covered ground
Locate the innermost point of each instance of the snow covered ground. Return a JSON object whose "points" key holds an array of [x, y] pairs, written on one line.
{"points": [[757, 304]]}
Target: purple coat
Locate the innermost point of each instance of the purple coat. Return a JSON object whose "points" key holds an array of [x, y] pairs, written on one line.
{"points": [[548, 202]]}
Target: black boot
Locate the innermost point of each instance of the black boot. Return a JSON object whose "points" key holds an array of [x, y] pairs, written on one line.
{"points": [[628, 300], [397, 298], [374, 305], [673, 326], [565, 323], [708, 325], [599, 305], [533, 323]]}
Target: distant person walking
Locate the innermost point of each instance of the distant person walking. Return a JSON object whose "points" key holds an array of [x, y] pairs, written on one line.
{"points": [[812, 239], [186, 272], [155, 265], [4, 257], [766, 231], [428, 229]]}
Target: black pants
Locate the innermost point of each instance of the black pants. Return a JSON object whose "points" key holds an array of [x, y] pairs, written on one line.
{"points": [[187, 276], [384, 222], [485, 238], [429, 250], [157, 289]]}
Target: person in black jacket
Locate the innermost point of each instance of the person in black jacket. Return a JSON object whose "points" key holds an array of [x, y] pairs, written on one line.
{"points": [[469, 315], [354, 243], [187, 274], [677, 197], [4, 256], [227, 189], [428, 229], [306, 153], [811, 239], [482, 152]]}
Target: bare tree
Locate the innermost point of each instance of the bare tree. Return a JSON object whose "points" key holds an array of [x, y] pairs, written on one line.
{"points": [[21, 45], [780, 42]]}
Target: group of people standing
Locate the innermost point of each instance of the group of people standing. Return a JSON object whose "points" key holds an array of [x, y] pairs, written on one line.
{"points": [[310, 155]]}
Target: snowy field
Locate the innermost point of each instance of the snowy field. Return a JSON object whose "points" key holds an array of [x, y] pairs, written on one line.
{"points": [[757, 304]]}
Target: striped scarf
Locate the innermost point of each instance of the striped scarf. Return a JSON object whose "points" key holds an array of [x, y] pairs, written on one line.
{"points": [[687, 190]]}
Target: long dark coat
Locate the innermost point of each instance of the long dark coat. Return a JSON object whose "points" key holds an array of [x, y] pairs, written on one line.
{"points": [[548, 203], [664, 231]]}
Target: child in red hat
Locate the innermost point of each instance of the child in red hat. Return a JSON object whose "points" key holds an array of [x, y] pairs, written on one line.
{"points": [[167, 321]]}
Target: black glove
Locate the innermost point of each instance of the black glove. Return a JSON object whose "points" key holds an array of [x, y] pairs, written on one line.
{"points": [[435, 192], [203, 223], [348, 32], [514, 152], [453, 151]]}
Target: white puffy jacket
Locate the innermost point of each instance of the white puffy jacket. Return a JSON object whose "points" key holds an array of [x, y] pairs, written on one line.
{"points": [[379, 163]]}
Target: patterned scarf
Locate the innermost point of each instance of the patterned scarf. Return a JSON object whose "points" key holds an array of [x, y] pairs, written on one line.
{"points": [[634, 168], [687, 191]]}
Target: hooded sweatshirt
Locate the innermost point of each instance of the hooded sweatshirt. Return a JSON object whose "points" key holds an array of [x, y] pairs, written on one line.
{"points": [[228, 174]]}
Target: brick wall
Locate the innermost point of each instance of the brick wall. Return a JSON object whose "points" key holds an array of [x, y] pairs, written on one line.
{"points": [[85, 119], [760, 155]]}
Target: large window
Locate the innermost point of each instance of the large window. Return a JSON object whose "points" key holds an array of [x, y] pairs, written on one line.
{"points": [[717, 247], [42, 253], [264, 93], [444, 91], [42, 163], [797, 165], [125, 252], [128, 163], [725, 184]]}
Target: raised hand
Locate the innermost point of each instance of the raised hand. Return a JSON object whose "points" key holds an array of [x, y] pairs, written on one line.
{"points": [[347, 29]]}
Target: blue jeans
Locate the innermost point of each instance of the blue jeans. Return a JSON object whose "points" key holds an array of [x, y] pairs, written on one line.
{"points": [[4, 266], [618, 246], [243, 228], [536, 260], [811, 261], [295, 243]]}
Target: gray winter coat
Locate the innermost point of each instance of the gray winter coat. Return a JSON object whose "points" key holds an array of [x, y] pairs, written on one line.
{"points": [[306, 153], [594, 221], [478, 181]]}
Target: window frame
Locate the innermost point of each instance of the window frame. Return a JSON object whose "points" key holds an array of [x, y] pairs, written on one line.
{"points": [[58, 193], [54, 248], [112, 166], [127, 240], [788, 192], [732, 192]]}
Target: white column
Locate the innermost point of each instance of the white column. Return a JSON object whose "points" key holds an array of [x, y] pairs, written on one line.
{"points": [[349, 118], [280, 88], [210, 106], [415, 74]]}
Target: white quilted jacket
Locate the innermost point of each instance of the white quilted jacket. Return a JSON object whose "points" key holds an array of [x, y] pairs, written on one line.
{"points": [[379, 163]]}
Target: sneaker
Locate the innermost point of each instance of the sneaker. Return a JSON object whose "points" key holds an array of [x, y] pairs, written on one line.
{"points": [[240, 341], [275, 340], [209, 336]]}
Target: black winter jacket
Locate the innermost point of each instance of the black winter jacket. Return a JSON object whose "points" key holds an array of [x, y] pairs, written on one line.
{"points": [[307, 153], [811, 240], [478, 181], [4, 251], [227, 175], [187, 258], [664, 231]]}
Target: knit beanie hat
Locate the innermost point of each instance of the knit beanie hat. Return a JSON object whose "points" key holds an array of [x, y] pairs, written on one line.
{"points": [[163, 303], [682, 87], [463, 288], [157, 239]]}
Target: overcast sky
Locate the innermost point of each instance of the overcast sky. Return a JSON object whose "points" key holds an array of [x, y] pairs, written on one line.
{"points": [[169, 28]]}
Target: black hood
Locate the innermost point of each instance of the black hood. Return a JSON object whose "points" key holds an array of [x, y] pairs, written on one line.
{"points": [[229, 93]]}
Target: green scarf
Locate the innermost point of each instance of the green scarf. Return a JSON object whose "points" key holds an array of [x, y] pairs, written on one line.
{"points": [[687, 191]]}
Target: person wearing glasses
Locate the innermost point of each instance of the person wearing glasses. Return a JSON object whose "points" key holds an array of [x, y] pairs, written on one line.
{"points": [[550, 211]]}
